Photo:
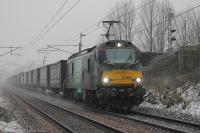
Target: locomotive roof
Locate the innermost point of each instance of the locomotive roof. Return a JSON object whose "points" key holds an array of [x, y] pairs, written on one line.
{"points": [[110, 43], [113, 42]]}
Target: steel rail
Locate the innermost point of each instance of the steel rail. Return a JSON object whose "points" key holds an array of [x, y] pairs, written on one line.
{"points": [[186, 123], [146, 122], [127, 116], [64, 127], [97, 124], [150, 123]]}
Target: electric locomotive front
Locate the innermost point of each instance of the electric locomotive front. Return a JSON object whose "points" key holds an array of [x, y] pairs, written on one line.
{"points": [[120, 72]]}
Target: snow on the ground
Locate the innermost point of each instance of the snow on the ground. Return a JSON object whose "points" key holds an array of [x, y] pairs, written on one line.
{"points": [[11, 127], [150, 105], [193, 108], [7, 126], [193, 96], [189, 92]]}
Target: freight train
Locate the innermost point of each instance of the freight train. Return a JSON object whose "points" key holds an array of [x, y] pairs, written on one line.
{"points": [[107, 75]]}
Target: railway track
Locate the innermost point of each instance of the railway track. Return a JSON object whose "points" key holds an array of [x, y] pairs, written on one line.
{"points": [[159, 122], [168, 124], [94, 125], [165, 123], [170, 120]]}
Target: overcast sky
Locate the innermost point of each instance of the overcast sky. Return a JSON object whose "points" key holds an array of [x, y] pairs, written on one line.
{"points": [[22, 20]]}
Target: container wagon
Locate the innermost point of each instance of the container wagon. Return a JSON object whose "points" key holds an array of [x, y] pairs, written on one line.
{"points": [[36, 78], [58, 76], [25, 84], [18, 80], [29, 79], [45, 78], [21, 84]]}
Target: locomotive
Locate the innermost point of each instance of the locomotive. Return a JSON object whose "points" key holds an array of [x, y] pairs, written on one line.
{"points": [[106, 75]]}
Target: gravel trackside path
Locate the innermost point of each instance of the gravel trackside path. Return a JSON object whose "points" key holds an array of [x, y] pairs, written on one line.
{"points": [[28, 118]]}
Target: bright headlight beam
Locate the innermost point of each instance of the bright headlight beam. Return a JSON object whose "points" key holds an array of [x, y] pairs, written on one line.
{"points": [[138, 80], [105, 80], [119, 45]]}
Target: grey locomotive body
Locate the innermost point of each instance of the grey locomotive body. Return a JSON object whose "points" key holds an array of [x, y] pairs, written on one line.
{"points": [[108, 74]]}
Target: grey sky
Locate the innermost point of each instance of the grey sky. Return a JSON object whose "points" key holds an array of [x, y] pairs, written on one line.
{"points": [[22, 20]]}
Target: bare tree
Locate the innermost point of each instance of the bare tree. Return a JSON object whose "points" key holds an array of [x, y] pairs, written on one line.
{"points": [[162, 26], [148, 19], [194, 28], [188, 29], [154, 20]]}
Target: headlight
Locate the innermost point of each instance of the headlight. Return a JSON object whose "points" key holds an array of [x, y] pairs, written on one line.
{"points": [[138, 80], [105, 80], [119, 44]]}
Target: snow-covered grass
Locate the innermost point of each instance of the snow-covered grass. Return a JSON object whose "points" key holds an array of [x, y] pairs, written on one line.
{"points": [[11, 127], [192, 95], [184, 99]]}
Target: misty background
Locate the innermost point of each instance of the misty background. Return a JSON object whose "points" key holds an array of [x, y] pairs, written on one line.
{"points": [[22, 20]]}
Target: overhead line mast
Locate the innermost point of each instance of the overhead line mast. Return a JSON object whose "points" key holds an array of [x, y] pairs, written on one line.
{"points": [[12, 49], [80, 44]]}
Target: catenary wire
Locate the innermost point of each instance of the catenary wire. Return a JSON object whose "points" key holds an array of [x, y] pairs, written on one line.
{"points": [[52, 26], [49, 22], [93, 25]]}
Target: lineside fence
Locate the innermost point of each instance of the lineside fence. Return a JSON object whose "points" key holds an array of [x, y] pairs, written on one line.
{"points": [[189, 57], [185, 59]]}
